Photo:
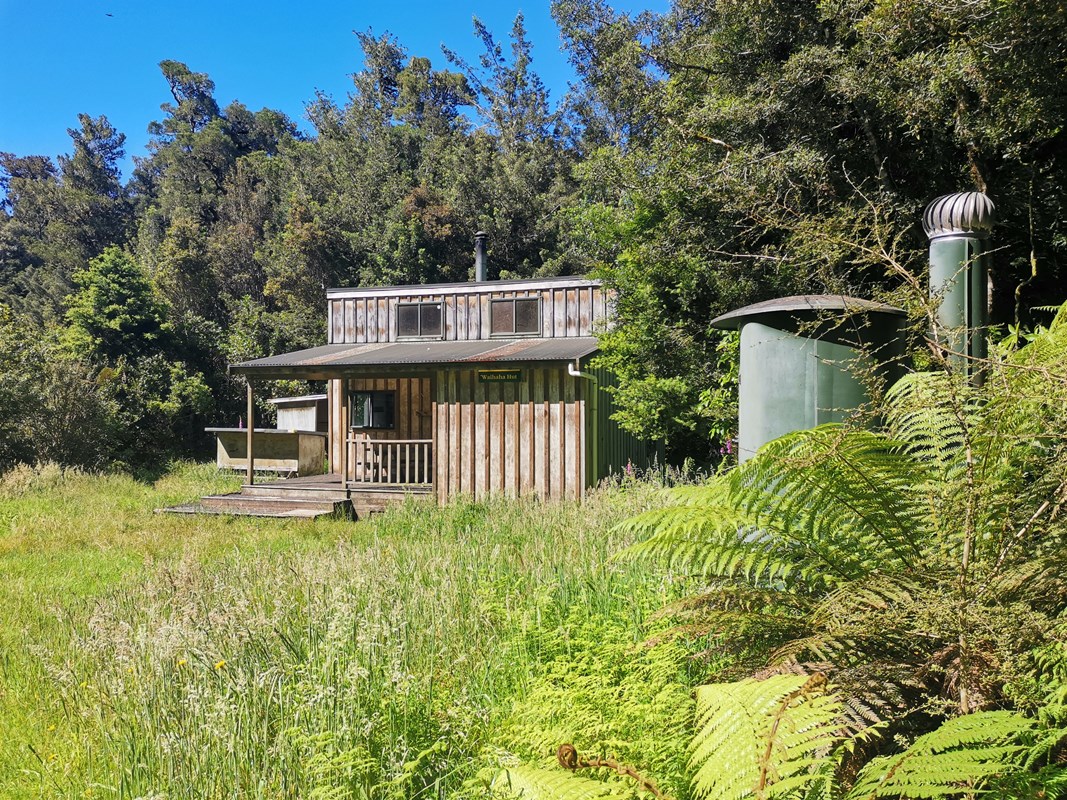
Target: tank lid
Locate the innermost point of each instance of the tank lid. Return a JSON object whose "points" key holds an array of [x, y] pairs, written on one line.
{"points": [[806, 304], [955, 214]]}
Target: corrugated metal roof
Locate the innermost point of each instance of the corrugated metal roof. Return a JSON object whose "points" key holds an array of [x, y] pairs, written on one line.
{"points": [[805, 303], [336, 357], [463, 286]]}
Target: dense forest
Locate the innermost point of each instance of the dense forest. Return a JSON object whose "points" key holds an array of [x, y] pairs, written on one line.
{"points": [[849, 614], [711, 156]]}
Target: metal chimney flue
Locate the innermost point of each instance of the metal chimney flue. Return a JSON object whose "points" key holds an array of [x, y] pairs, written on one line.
{"points": [[481, 260]]}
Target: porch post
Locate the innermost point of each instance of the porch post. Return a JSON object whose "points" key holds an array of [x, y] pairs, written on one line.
{"points": [[343, 460], [250, 474]]}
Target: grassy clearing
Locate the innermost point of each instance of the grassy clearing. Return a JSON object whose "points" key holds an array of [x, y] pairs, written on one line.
{"points": [[165, 656]]}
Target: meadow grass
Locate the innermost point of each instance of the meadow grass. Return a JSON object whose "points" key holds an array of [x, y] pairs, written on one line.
{"points": [[146, 655]]}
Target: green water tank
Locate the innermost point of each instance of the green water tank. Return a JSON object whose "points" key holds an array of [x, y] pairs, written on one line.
{"points": [[811, 359]]}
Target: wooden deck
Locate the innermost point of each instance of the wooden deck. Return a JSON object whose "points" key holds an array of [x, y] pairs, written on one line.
{"points": [[305, 497]]}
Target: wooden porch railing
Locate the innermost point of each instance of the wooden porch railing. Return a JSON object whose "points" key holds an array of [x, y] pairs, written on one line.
{"points": [[390, 461]]}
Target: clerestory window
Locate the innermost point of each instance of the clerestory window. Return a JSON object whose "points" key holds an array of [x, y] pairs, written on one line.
{"points": [[419, 320], [517, 315]]}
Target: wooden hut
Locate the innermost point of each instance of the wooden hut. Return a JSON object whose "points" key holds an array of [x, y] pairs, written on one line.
{"points": [[470, 389]]}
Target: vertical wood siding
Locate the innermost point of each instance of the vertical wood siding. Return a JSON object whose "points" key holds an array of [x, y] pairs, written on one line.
{"points": [[565, 311], [333, 393], [414, 409], [513, 439], [510, 438]]}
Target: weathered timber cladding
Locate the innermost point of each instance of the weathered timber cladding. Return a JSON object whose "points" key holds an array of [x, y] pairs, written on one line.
{"points": [[295, 452], [334, 391], [414, 410], [567, 309], [510, 438]]}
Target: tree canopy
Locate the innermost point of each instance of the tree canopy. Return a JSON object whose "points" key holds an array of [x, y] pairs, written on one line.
{"points": [[706, 157]]}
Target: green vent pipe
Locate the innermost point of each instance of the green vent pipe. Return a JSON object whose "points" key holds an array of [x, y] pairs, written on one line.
{"points": [[959, 226]]}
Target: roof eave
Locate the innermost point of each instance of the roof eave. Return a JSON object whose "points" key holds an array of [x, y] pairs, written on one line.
{"points": [[319, 373]]}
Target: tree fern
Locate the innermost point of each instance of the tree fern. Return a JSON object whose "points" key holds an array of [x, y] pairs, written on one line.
{"points": [[929, 414], [762, 738], [702, 530], [825, 506], [844, 498], [1041, 775], [540, 783], [958, 758], [915, 566]]}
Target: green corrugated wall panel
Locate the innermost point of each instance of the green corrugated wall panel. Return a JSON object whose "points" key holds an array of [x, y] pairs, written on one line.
{"points": [[609, 448]]}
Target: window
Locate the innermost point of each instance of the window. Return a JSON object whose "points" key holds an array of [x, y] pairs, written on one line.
{"points": [[418, 320], [373, 409], [520, 315]]}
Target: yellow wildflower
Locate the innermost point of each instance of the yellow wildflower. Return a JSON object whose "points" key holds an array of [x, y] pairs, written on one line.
{"points": [[182, 662], [220, 664]]}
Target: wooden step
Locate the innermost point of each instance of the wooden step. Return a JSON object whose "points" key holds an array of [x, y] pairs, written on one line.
{"points": [[305, 497], [260, 506], [325, 493], [196, 508]]}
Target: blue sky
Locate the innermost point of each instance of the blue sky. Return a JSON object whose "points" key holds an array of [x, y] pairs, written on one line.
{"points": [[63, 57]]}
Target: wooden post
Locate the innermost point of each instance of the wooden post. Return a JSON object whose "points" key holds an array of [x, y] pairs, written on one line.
{"points": [[250, 474], [344, 433]]}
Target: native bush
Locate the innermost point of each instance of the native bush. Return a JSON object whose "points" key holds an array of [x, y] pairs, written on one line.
{"points": [[903, 589]]}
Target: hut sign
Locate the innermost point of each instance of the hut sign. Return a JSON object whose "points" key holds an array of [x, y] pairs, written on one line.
{"points": [[500, 376]]}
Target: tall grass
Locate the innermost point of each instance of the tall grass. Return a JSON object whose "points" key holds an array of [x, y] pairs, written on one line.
{"points": [[329, 659]]}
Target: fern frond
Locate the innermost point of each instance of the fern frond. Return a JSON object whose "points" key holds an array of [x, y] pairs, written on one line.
{"points": [[539, 783], [702, 531], [1042, 775], [822, 506], [1060, 320], [730, 596], [1047, 783], [954, 760], [873, 594], [763, 738], [1040, 581], [862, 622], [846, 499], [930, 414], [847, 644]]}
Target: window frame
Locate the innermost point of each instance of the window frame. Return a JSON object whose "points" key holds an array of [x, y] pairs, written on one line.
{"points": [[440, 304], [354, 393], [493, 301]]}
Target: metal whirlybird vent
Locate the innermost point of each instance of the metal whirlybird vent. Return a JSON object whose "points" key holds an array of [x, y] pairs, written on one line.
{"points": [[961, 213]]}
